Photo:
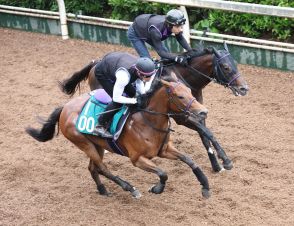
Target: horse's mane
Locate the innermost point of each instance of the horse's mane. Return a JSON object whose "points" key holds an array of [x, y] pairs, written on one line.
{"points": [[190, 54], [156, 85], [197, 53]]}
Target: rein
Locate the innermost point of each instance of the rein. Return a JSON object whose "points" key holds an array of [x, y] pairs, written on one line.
{"points": [[166, 131], [152, 126]]}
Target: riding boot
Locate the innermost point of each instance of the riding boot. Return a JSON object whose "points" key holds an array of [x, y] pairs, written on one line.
{"points": [[104, 119]]}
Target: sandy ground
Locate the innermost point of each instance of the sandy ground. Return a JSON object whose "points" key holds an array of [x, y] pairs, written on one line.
{"points": [[49, 183]]}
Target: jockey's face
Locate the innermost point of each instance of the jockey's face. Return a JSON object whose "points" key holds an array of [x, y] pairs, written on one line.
{"points": [[143, 78], [146, 79], [176, 29]]}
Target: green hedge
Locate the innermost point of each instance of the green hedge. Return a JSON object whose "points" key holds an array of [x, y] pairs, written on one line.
{"points": [[248, 25]]}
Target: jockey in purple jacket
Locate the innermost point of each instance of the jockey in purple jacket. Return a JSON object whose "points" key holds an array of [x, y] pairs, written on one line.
{"points": [[153, 29]]}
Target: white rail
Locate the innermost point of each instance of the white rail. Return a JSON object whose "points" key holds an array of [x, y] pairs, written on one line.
{"points": [[21, 9], [245, 44], [213, 37], [240, 7], [30, 14], [119, 23], [251, 40]]}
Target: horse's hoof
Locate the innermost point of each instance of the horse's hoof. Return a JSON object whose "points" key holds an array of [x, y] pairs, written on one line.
{"points": [[151, 189], [136, 194], [102, 190], [156, 189], [218, 169], [222, 170], [228, 164], [205, 193], [107, 194]]}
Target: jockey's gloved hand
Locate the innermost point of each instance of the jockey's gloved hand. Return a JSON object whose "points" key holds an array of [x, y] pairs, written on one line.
{"points": [[141, 101], [181, 60]]}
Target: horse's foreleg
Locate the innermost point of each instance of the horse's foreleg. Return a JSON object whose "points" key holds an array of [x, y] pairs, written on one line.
{"points": [[172, 153], [212, 157], [204, 131], [216, 167], [149, 166], [102, 169]]}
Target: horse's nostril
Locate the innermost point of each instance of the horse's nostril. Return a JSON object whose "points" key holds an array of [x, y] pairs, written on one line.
{"points": [[244, 88], [203, 113]]}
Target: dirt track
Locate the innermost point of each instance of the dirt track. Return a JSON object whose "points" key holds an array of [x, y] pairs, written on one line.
{"points": [[49, 183]]}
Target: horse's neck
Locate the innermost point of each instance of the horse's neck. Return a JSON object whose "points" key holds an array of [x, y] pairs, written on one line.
{"points": [[158, 103], [203, 64]]}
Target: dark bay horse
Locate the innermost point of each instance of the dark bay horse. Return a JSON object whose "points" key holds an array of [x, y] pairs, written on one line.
{"points": [[148, 129], [204, 66]]}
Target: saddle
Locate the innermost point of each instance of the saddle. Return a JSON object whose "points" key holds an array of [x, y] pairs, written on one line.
{"points": [[95, 106]]}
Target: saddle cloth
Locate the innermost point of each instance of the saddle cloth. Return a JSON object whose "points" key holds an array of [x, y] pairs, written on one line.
{"points": [[95, 106]]}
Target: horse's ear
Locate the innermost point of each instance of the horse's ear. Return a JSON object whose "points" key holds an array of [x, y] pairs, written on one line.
{"points": [[165, 83], [201, 45], [226, 47], [216, 52]]}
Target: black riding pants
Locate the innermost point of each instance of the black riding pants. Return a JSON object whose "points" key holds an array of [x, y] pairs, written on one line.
{"points": [[108, 85]]}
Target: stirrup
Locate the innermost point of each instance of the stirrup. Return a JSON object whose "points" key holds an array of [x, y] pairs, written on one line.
{"points": [[101, 131]]}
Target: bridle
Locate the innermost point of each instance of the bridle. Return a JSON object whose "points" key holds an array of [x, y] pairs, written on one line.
{"points": [[183, 111], [219, 74]]}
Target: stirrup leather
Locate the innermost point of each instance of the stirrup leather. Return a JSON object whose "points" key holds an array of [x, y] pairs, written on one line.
{"points": [[101, 131]]}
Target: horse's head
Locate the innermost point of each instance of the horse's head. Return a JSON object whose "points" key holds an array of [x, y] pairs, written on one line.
{"points": [[181, 100], [226, 72]]}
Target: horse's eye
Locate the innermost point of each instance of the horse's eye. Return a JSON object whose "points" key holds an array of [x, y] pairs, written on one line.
{"points": [[180, 97], [227, 67]]}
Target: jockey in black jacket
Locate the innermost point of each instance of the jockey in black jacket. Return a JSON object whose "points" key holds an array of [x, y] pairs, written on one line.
{"points": [[153, 29], [123, 76]]}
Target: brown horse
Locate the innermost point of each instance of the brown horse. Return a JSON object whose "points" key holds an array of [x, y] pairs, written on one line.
{"points": [[148, 129], [204, 66]]}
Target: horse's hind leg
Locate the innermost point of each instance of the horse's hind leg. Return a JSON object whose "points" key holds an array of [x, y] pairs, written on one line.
{"points": [[172, 153], [95, 175], [90, 149], [147, 165], [92, 81], [122, 183]]}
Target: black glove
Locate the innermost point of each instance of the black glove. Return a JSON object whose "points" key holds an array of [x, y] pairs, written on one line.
{"points": [[181, 60], [142, 101]]}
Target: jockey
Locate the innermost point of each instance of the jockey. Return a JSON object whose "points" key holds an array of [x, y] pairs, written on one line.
{"points": [[153, 29], [122, 76]]}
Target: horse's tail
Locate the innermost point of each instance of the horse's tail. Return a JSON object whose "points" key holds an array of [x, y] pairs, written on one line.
{"points": [[69, 86], [48, 129]]}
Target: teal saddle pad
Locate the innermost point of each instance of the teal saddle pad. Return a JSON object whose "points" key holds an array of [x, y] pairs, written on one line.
{"points": [[88, 118]]}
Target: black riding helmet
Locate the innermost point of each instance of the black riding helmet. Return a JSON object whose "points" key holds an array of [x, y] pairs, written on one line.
{"points": [[175, 17], [145, 67]]}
